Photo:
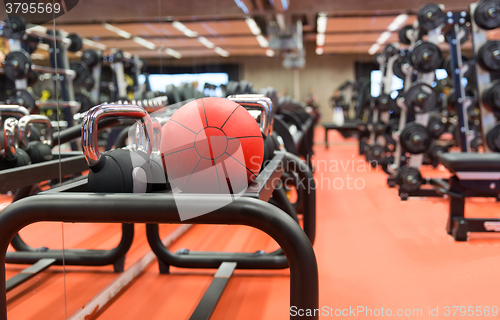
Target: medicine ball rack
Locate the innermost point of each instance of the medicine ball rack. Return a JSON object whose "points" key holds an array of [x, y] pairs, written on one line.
{"points": [[67, 205]]}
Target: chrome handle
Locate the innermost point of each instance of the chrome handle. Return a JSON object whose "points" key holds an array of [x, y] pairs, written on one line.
{"points": [[10, 137], [25, 131], [94, 115], [257, 102]]}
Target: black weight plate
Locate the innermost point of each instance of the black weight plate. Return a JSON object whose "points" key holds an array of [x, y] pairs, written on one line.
{"points": [[82, 72], [385, 103], [84, 100], [22, 98], [374, 154], [409, 179], [398, 65], [17, 65], [436, 150], [491, 97], [426, 57], [493, 138], [385, 162], [118, 56], [402, 34], [90, 57], [76, 43], [390, 50], [487, 14], [390, 127], [379, 128], [430, 16], [421, 98], [14, 27], [489, 56], [436, 127], [415, 138], [89, 83]]}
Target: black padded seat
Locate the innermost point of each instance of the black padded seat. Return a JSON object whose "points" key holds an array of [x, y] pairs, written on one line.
{"points": [[482, 162]]}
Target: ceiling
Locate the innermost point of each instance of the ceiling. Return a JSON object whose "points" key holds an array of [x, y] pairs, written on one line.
{"points": [[352, 26]]}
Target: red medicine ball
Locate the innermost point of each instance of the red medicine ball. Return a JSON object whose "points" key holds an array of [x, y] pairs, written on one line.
{"points": [[211, 145]]}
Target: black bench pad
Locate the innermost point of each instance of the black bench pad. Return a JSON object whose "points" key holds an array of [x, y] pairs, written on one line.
{"points": [[471, 161]]}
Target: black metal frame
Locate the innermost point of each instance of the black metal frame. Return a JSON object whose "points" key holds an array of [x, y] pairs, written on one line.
{"points": [[161, 208], [457, 225]]}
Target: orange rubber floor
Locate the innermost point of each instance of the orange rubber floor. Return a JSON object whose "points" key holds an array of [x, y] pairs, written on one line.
{"points": [[373, 252]]}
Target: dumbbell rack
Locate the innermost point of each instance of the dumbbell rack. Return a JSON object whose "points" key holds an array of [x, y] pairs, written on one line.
{"points": [[483, 79], [415, 161], [70, 203]]}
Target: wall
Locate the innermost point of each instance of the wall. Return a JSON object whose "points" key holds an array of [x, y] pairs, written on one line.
{"points": [[323, 73]]}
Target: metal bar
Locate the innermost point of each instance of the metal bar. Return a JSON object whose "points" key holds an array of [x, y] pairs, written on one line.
{"points": [[28, 273], [11, 179], [212, 296], [67, 72], [155, 208], [62, 104]]}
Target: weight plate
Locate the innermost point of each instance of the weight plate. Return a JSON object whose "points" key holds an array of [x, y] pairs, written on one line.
{"points": [[403, 38], [415, 138], [491, 97], [385, 162], [118, 56], [22, 98], [374, 154], [14, 27], [430, 16], [17, 65], [390, 50], [487, 14], [489, 56], [409, 179], [90, 57], [385, 103], [84, 100], [426, 57], [493, 138], [76, 43], [397, 67], [390, 127], [82, 72], [436, 127], [379, 128], [436, 150], [89, 83], [421, 98]]}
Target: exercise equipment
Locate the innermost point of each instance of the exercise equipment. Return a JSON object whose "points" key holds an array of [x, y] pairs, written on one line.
{"points": [[217, 140], [430, 16], [38, 151], [488, 56], [17, 65], [119, 170], [409, 179], [487, 14], [12, 156], [426, 57], [14, 27], [415, 138], [421, 98]]}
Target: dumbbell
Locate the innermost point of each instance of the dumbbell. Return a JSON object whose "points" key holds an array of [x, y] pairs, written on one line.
{"points": [[487, 14], [37, 150], [119, 170], [430, 16], [426, 57], [12, 156], [421, 98], [415, 138]]}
